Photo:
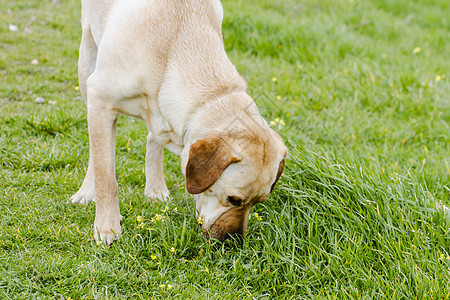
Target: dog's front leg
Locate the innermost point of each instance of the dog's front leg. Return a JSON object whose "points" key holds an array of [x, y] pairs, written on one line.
{"points": [[155, 185], [102, 141], [86, 66]]}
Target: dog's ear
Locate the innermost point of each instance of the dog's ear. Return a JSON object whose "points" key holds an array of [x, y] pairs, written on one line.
{"points": [[208, 158], [280, 171]]}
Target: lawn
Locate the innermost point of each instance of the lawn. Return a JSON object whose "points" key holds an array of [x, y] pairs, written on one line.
{"points": [[358, 89]]}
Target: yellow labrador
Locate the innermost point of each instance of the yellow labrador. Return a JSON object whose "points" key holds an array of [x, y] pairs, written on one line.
{"points": [[164, 62]]}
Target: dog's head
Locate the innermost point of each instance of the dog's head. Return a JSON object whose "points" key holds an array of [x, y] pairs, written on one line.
{"points": [[228, 173]]}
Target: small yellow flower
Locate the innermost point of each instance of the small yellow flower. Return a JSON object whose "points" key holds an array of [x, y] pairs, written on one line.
{"points": [[279, 123], [257, 217], [140, 219], [169, 286], [200, 252], [77, 88], [417, 50], [200, 220], [162, 286], [274, 79], [158, 217], [153, 257], [278, 97], [438, 78], [172, 249]]}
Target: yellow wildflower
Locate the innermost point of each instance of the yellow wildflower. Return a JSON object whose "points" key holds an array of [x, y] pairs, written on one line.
{"points": [[417, 50], [279, 123], [200, 220], [158, 218], [153, 257], [257, 217], [274, 79]]}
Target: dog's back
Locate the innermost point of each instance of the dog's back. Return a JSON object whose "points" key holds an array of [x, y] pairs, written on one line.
{"points": [[156, 14]]}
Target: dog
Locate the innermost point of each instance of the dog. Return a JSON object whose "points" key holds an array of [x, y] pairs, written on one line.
{"points": [[164, 62]]}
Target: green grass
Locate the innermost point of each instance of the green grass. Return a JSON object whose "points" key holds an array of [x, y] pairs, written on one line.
{"points": [[357, 213]]}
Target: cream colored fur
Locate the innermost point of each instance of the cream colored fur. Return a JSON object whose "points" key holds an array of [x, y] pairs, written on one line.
{"points": [[164, 62]]}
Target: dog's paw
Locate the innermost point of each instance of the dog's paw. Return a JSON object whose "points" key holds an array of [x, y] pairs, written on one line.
{"points": [[82, 198], [85, 194], [107, 236], [160, 196]]}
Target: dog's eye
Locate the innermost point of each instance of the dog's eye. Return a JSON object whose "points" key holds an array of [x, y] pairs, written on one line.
{"points": [[234, 200]]}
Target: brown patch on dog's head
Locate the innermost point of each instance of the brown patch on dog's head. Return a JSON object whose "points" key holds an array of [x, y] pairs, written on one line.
{"points": [[208, 158]]}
